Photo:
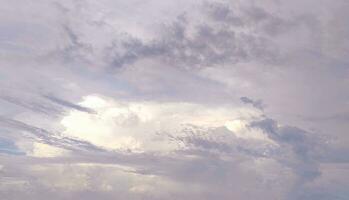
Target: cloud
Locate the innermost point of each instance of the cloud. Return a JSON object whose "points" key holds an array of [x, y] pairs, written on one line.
{"points": [[132, 125], [204, 152], [33, 106], [167, 99], [68, 104], [46, 137], [257, 104]]}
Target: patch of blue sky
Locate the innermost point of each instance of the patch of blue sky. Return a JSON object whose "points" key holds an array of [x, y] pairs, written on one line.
{"points": [[9, 147]]}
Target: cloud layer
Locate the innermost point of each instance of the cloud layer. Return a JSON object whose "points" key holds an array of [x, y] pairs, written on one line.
{"points": [[188, 99]]}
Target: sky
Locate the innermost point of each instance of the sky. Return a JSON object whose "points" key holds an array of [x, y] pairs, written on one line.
{"points": [[174, 100]]}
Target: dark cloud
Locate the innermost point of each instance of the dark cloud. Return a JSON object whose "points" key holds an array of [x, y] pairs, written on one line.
{"points": [[257, 104], [303, 148], [68, 104], [190, 44]]}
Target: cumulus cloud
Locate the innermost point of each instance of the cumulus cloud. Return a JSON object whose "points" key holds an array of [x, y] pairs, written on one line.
{"points": [[129, 125], [179, 144]]}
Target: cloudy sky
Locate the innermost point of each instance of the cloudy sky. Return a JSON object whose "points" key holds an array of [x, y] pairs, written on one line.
{"points": [[174, 99]]}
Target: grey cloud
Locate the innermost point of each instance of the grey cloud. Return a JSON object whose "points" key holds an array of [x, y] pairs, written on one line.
{"points": [[301, 143], [68, 104], [291, 54], [33, 106], [257, 104], [39, 104], [217, 40], [209, 46], [191, 45], [47, 137], [215, 140], [342, 116], [214, 159], [75, 49]]}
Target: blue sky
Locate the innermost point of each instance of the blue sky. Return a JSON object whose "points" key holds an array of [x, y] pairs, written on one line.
{"points": [[160, 99]]}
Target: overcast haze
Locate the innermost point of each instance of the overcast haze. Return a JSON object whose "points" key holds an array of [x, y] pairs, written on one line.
{"points": [[174, 99]]}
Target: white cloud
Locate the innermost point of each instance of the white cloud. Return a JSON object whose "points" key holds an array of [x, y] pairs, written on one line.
{"points": [[134, 125], [240, 129], [44, 150]]}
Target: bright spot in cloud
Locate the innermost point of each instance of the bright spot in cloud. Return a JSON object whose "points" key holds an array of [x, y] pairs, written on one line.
{"points": [[45, 150], [133, 125], [240, 129]]}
